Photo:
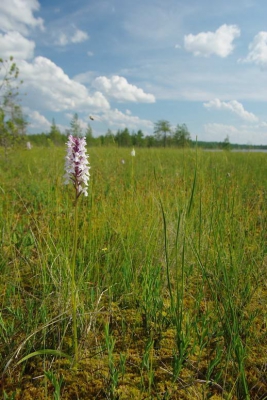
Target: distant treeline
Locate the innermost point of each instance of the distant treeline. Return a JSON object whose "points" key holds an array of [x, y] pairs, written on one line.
{"points": [[164, 136], [231, 146], [123, 138]]}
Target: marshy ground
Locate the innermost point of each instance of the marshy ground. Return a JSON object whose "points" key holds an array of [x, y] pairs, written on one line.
{"points": [[170, 276]]}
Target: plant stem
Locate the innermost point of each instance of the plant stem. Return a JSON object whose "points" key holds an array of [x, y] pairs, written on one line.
{"points": [[73, 286]]}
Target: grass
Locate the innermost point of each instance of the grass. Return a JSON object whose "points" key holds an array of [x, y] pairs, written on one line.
{"points": [[170, 275]]}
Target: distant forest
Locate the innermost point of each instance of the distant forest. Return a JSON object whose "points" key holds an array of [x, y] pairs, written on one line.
{"points": [[163, 136]]}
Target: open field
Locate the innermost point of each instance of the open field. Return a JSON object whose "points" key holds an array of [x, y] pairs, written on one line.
{"points": [[170, 276]]}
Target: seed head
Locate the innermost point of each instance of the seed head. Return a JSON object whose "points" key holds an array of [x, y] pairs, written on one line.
{"points": [[77, 165]]}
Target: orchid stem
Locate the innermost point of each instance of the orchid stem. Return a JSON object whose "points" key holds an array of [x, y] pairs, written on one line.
{"points": [[73, 286]]}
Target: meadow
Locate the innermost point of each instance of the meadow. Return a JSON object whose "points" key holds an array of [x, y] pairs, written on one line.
{"points": [[170, 273]]}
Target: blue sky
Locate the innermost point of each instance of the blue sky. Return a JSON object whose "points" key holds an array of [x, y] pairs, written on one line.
{"points": [[130, 63]]}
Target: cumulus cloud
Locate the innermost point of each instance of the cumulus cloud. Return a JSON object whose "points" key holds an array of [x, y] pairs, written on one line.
{"points": [[37, 120], [62, 39], [78, 36], [13, 43], [85, 77], [218, 132], [118, 88], [241, 134], [52, 88], [219, 42], [258, 50], [120, 120], [17, 15], [220, 129], [234, 106]]}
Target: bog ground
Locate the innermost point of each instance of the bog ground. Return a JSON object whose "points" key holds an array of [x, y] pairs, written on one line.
{"points": [[170, 276]]}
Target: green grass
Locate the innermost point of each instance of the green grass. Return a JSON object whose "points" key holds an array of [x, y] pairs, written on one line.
{"points": [[170, 273]]}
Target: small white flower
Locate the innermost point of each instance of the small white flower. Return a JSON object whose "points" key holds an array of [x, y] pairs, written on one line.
{"points": [[29, 145], [77, 165], [133, 152]]}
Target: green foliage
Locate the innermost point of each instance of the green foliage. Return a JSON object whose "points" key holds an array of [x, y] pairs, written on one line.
{"points": [[55, 135], [161, 129], [138, 139], [13, 123], [225, 145], [10, 73], [109, 139], [75, 126], [57, 383], [182, 136], [174, 265], [123, 138], [89, 135]]}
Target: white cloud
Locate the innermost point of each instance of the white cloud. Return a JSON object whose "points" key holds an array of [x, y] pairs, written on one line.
{"points": [[37, 120], [219, 42], [52, 88], [17, 15], [16, 45], [62, 40], [118, 88], [218, 132], [220, 129], [242, 134], [120, 120], [78, 36], [84, 77], [116, 119], [258, 50], [234, 106]]}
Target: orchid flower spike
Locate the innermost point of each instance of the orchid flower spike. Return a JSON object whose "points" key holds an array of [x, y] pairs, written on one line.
{"points": [[77, 165], [133, 152]]}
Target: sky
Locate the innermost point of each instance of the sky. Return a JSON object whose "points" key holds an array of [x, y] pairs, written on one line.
{"points": [[132, 63]]}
